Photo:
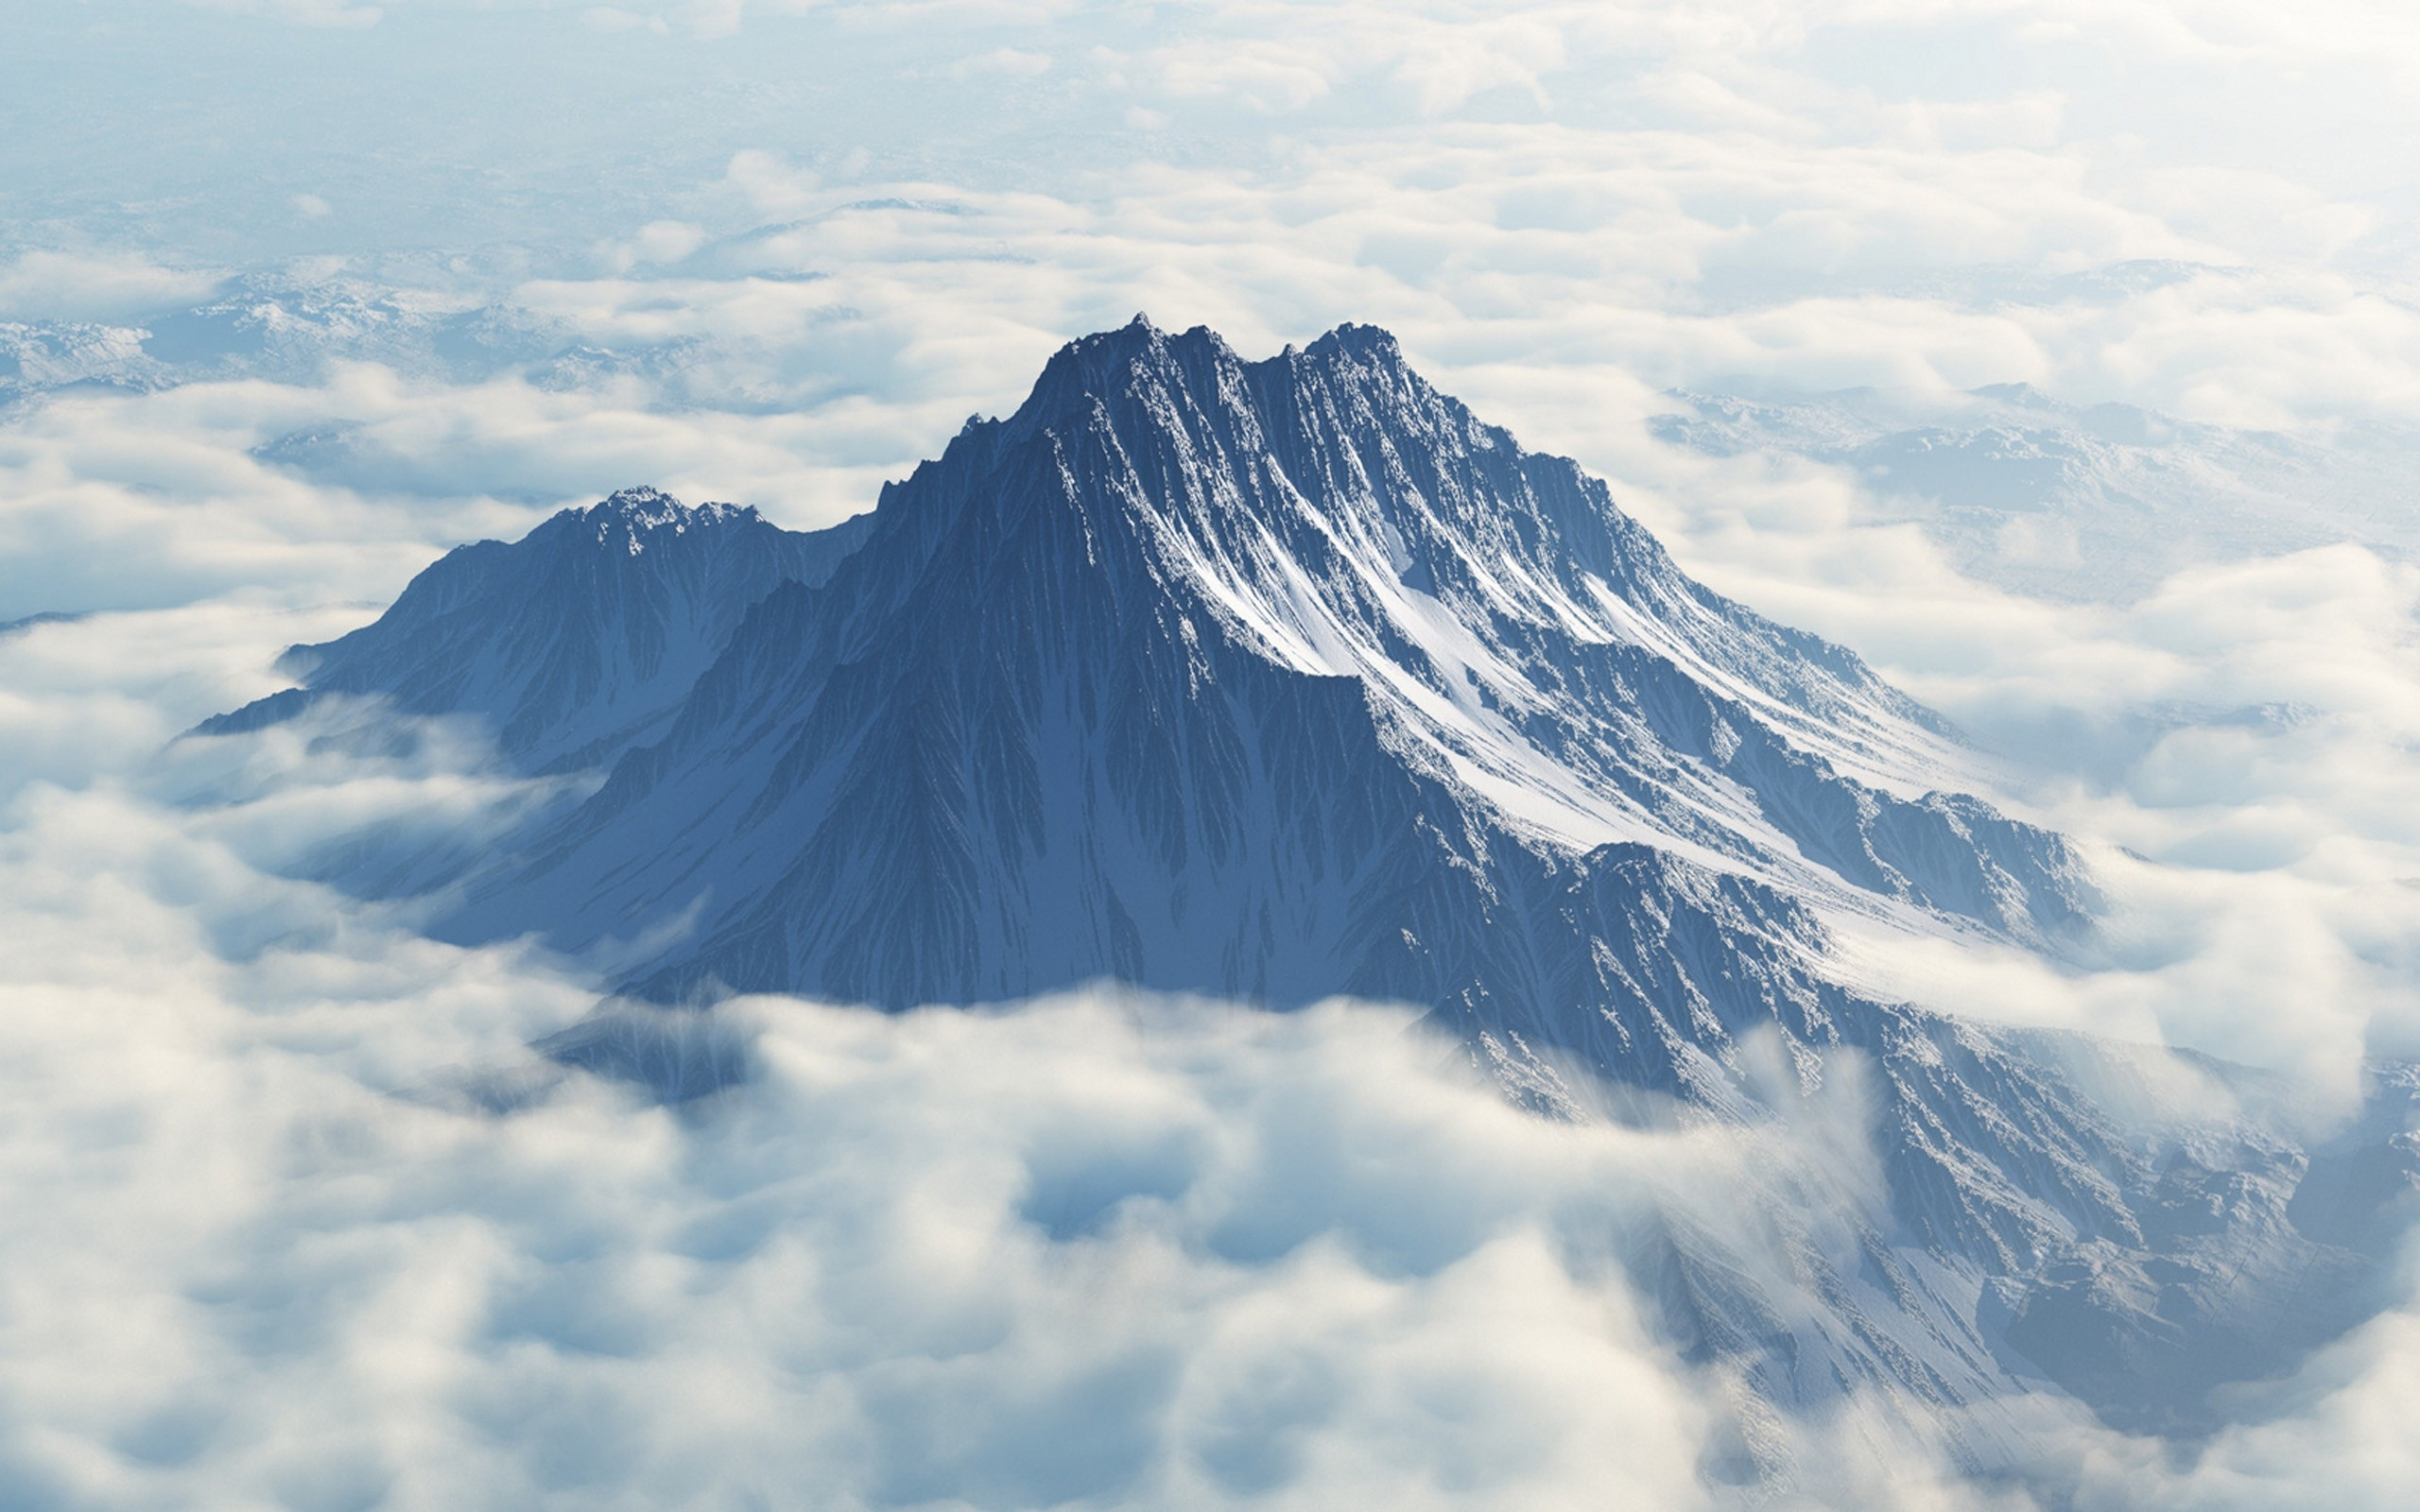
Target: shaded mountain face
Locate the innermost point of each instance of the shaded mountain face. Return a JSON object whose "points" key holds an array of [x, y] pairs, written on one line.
{"points": [[1291, 679], [571, 645]]}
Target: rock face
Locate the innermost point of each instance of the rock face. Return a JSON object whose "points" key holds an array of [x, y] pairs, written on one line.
{"points": [[1288, 679]]}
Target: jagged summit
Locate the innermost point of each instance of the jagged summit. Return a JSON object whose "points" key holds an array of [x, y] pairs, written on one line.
{"points": [[1104, 364], [1331, 509], [643, 501]]}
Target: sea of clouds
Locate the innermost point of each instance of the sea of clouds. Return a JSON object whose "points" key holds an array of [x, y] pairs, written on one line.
{"points": [[297, 1219]]}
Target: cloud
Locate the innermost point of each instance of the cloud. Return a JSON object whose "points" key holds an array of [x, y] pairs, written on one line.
{"points": [[1694, 195], [93, 286], [1103, 1247], [1008, 60], [2238, 744], [341, 491], [283, 1256], [1268, 79], [1665, 257], [2326, 1438]]}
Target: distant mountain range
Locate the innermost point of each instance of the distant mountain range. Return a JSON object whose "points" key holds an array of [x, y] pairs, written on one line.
{"points": [[2083, 501], [1291, 679]]}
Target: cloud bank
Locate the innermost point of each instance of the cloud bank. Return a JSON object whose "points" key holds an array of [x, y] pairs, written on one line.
{"points": [[311, 1226], [285, 1253]]}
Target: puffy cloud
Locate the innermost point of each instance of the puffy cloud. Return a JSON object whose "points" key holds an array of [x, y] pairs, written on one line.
{"points": [[1130, 1253], [2237, 743], [1100, 1249], [342, 490]]}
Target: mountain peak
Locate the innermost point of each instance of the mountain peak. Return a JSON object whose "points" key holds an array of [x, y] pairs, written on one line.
{"points": [[572, 643], [1372, 342], [1105, 362], [629, 517], [1108, 364], [639, 499]]}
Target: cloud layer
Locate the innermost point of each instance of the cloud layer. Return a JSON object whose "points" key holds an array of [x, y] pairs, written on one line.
{"points": [[308, 1225], [284, 1254]]}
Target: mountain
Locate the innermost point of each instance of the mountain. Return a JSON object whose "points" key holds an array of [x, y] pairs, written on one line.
{"points": [[1288, 679], [1259, 666], [571, 645]]}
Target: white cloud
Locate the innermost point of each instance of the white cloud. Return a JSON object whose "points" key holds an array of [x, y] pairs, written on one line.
{"points": [[117, 501], [93, 286], [1268, 77], [1011, 61], [2249, 727], [2332, 1437], [1231, 1258], [1134, 1252]]}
